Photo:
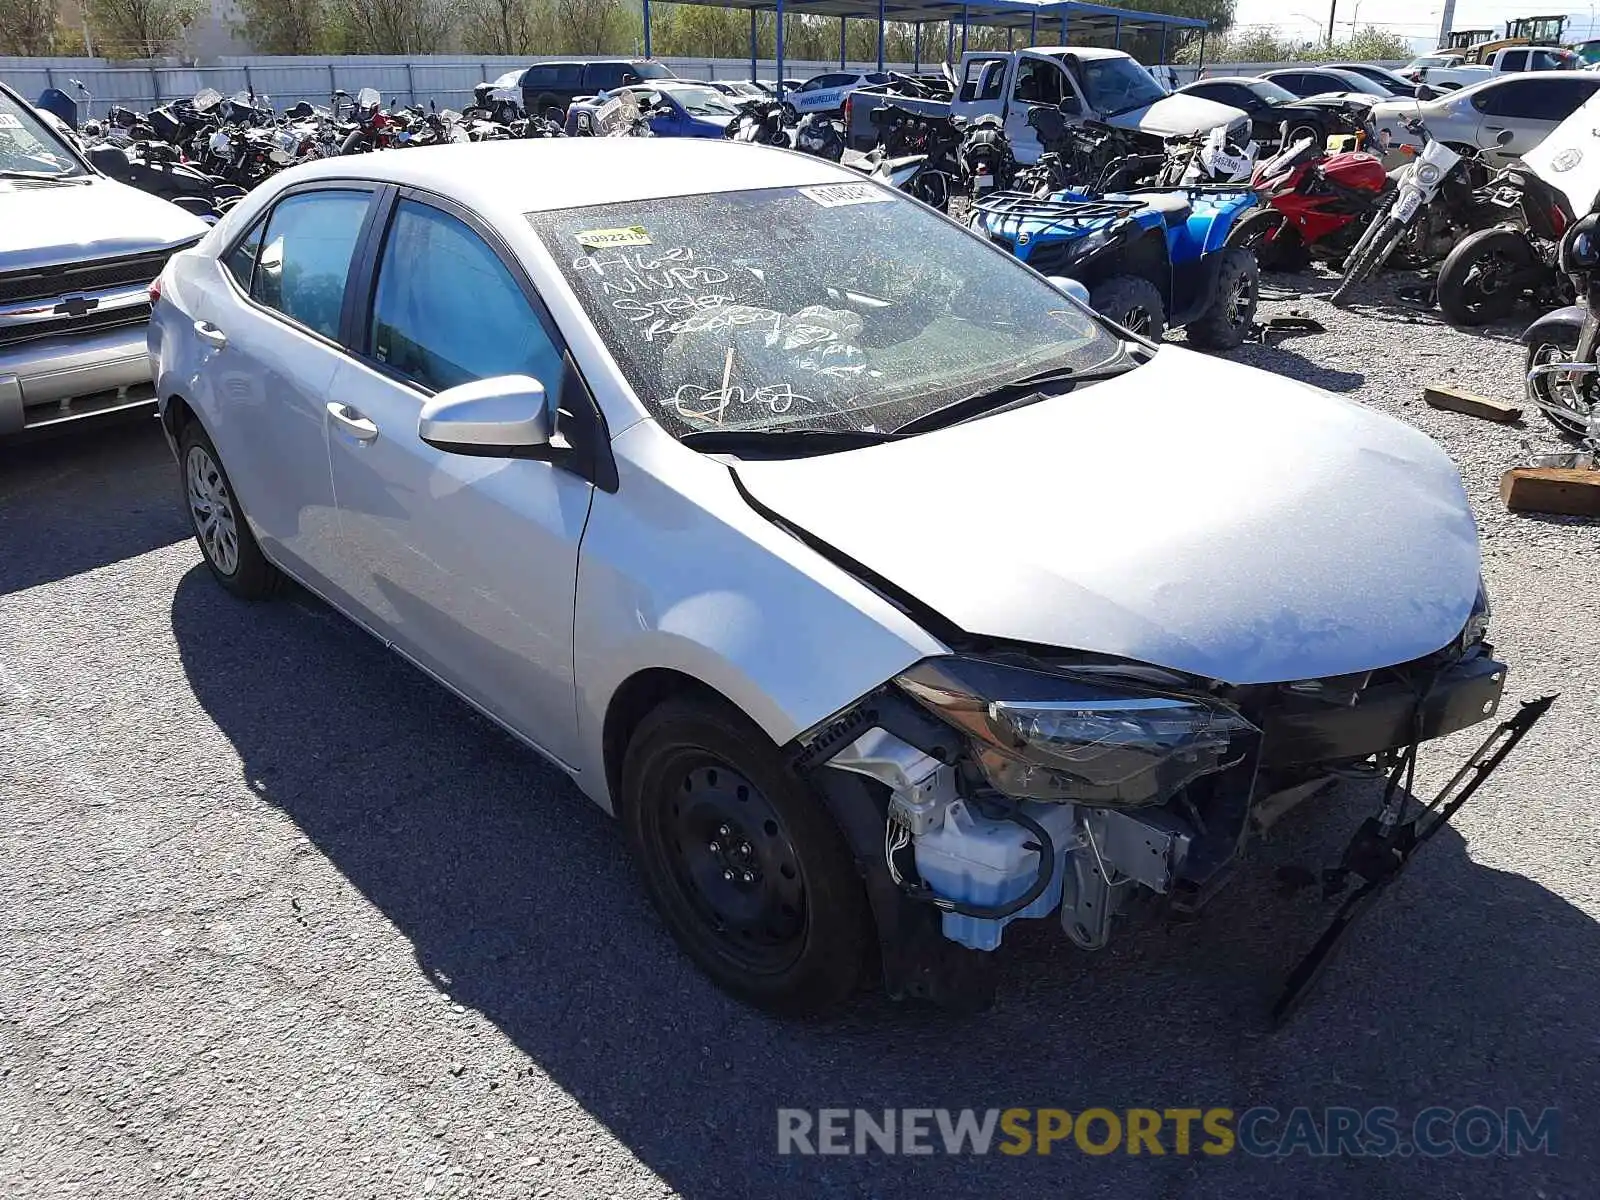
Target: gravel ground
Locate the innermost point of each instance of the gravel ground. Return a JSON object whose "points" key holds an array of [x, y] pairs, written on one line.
{"points": [[280, 918]]}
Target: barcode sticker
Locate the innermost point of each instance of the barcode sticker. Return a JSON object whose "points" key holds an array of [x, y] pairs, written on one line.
{"points": [[837, 195]]}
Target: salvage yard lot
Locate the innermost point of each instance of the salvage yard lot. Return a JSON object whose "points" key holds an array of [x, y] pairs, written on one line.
{"points": [[279, 917]]}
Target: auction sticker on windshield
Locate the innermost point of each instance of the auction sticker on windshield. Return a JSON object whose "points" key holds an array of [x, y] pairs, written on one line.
{"points": [[610, 239], [836, 195], [7, 121]]}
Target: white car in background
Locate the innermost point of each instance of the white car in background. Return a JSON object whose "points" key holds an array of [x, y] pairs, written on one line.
{"points": [[767, 502], [1530, 106], [826, 93]]}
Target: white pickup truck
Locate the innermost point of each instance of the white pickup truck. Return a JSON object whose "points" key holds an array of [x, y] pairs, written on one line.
{"points": [[1459, 73], [1085, 82]]}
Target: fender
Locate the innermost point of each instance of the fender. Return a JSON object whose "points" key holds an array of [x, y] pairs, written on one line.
{"points": [[1565, 324]]}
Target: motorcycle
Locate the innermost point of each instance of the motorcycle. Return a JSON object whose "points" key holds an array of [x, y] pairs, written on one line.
{"points": [[820, 135], [1435, 171], [1314, 206], [760, 122], [985, 157], [1563, 347], [155, 168]]}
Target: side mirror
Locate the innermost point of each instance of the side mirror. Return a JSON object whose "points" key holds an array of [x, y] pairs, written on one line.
{"points": [[1504, 138], [508, 416], [1071, 287], [1070, 106]]}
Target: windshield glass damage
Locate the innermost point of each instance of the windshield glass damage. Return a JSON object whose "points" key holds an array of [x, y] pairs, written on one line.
{"points": [[841, 307]]}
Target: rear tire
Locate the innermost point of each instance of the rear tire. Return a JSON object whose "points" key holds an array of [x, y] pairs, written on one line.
{"points": [[747, 869], [1133, 303], [226, 543], [1226, 324], [1473, 283]]}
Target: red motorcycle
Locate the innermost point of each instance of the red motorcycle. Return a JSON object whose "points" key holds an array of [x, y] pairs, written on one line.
{"points": [[1312, 206]]}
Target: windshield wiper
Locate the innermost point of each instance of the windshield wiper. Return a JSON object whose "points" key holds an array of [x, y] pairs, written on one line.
{"points": [[9, 174], [783, 441], [1016, 394]]}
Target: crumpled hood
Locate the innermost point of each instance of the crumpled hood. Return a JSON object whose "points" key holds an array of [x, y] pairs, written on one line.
{"points": [[59, 223], [1178, 115], [1194, 514]]}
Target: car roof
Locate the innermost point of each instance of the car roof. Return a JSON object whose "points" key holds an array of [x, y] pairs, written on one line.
{"points": [[1225, 79], [1080, 51], [504, 179]]}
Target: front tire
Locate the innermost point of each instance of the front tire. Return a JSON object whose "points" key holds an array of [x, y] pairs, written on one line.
{"points": [[741, 859], [1226, 324], [1569, 396], [1475, 282], [1132, 302], [229, 548], [1371, 252]]}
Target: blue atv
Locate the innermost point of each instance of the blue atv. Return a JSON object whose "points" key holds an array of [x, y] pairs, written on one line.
{"points": [[1150, 259]]}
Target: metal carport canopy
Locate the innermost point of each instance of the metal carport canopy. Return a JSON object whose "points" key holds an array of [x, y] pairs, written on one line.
{"points": [[1061, 17]]}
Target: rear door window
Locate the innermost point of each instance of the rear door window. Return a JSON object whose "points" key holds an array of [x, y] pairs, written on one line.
{"points": [[539, 77], [305, 255], [984, 79]]}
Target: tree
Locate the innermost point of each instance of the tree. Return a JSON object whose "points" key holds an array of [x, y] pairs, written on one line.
{"points": [[286, 26], [499, 26], [589, 26], [27, 26], [140, 28], [399, 26]]}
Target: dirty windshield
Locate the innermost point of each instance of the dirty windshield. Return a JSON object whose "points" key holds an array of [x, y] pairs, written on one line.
{"points": [[28, 149], [1117, 85], [841, 307]]}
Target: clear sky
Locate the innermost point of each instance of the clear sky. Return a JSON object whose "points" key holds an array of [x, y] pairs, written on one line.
{"points": [[1409, 18]]}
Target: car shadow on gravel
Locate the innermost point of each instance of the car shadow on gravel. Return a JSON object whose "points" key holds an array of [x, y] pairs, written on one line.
{"points": [[78, 502], [1464, 985]]}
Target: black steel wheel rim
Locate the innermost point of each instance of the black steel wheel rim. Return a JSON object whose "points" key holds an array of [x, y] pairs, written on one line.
{"points": [[732, 864]]}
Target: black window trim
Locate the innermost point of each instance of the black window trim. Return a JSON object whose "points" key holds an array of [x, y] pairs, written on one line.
{"points": [[589, 438], [260, 223]]}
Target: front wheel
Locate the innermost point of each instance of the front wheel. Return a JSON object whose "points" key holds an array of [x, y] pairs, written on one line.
{"points": [[742, 860], [1226, 324], [1132, 302], [1567, 401], [1478, 281], [932, 188], [1371, 252]]}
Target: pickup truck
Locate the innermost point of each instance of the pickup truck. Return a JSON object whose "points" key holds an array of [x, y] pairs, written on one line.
{"points": [[1085, 82], [78, 253], [1511, 58]]}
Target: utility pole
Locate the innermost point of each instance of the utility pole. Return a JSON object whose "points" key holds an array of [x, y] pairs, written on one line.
{"points": [[1448, 20], [1333, 7]]}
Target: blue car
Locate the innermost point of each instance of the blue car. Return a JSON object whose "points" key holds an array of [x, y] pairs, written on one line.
{"points": [[675, 108], [1150, 259]]}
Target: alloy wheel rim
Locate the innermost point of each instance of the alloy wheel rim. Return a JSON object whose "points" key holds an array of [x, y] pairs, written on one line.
{"points": [[1137, 320], [1563, 391], [211, 509], [1238, 300], [734, 864]]}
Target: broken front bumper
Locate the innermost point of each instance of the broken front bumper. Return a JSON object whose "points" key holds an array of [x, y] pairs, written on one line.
{"points": [[1307, 730]]}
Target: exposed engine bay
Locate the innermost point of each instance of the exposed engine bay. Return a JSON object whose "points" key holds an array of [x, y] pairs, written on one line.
{"points": [[1019, 786]]}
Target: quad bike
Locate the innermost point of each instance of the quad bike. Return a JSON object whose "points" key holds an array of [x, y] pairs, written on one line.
{"points": [[1150, 259]]}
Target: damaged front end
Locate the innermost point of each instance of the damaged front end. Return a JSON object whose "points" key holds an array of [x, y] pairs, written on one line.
{"points": [[979, 789]]}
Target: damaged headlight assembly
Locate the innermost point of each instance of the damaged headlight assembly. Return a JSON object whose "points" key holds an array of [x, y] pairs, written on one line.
{"points": [[1048, 736]]}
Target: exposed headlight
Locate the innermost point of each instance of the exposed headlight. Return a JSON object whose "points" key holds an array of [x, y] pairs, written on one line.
{"points": [[1041, 735], [1427, 174]]}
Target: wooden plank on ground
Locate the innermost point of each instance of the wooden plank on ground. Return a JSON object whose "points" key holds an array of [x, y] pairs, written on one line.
{"points": [[1562, 491], [1456, 400]]}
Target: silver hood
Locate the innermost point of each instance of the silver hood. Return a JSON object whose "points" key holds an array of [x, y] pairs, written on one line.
{"points": [[47, 225], [1193, 514], [1178, 115]]}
